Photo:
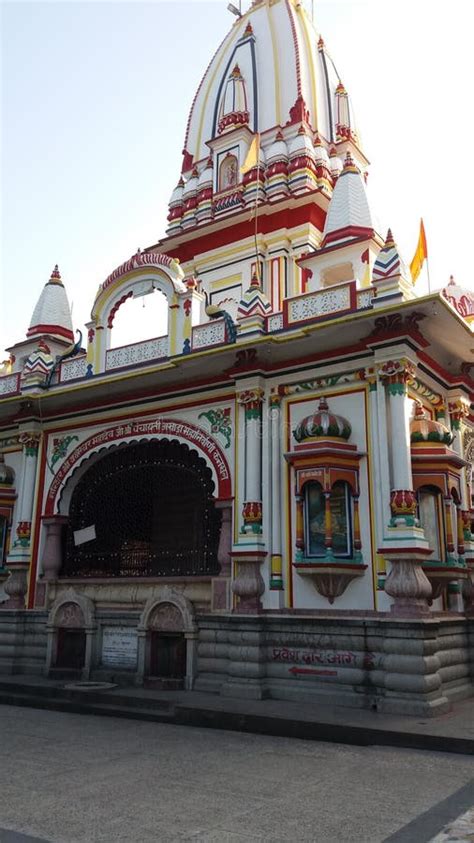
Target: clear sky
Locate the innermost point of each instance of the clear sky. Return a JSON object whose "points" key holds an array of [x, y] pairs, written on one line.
{"points": [[95, 98]]}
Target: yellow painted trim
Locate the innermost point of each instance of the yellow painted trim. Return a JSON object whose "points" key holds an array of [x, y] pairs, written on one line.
{"points": [[225, 282], [276, 68]]}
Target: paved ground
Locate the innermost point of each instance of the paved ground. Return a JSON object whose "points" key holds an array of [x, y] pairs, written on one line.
{"points": [[67, 778]]}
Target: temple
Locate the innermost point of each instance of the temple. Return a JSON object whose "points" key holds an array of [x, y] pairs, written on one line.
{"points": [[273, 496]]}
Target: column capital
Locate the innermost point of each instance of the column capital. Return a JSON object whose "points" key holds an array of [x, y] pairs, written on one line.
{"points": [[397, 374], [251, 400], [458, 411], [30, 441]]}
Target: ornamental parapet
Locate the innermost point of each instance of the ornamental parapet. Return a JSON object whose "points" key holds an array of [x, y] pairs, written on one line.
{"points": [[10, 384]]}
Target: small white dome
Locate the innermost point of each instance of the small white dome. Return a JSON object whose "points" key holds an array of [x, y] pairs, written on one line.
{"points": [[278, 150]]}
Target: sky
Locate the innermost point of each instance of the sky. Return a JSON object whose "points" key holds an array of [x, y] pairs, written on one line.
{"points": [[94, 102]]}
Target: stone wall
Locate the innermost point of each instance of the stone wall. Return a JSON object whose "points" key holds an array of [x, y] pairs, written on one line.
{"points": [[22, 642], [412, 667]]}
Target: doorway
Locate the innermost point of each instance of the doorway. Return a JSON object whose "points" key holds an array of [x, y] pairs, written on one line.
{"points": [[71, 652], [168, 658]]}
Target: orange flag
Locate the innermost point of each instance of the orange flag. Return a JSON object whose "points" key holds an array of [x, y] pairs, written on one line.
{"points": [[420, 255]]}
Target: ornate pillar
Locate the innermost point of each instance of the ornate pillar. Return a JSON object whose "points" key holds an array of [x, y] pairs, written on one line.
{"points": [[276, 569], [52, 558], [357, 537], [405, 544], [18, 559], [327, 524], [251, 400], [299, 527], [458, 407], [249, 553], [221, 584]]}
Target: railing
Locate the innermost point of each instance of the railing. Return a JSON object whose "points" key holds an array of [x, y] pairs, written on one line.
{"points": [[321, 304], [141, 563], [10, 384], [209, 334], [137, 352], [73, 369]]}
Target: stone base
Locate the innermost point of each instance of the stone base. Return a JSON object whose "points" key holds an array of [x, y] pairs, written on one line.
{"points": [[404, 666]]}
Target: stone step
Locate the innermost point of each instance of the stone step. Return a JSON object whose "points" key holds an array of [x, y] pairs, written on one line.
{"points": [[38, 690], [85, 706]]}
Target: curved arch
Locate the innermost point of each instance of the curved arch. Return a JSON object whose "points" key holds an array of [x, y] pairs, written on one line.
{"points": [[140, 270], [71, 598], [166, 428], [169, 596]]}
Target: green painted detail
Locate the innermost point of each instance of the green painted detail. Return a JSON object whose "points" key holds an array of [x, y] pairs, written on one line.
{"points": [[221, 422], [373, 386], [397, 389], [409, 520], [456, 424], [433, 436], [276, 584], [21, 542], [330, 559], [253, 412], [31, 450], [60, 447], [381, 583], [454, 588], [468, 537]]}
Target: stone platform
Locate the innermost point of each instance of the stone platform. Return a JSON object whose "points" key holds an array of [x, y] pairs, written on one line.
{"points": [[452, 732]]}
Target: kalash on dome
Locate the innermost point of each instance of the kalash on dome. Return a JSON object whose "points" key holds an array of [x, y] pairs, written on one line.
{"points": [[273, 499]]}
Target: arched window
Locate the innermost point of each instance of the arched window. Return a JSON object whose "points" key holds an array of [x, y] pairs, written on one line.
{"points": [[328, 527], [430, 514]]}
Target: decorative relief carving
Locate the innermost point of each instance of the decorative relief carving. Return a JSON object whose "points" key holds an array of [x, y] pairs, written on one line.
{"points": [[364, 299], [212, 333], [275, 322], [166, 617], [140, 352], [60, 447], [319, 303], [220, 422], [74, 369], [9, 384], [70, 615]]}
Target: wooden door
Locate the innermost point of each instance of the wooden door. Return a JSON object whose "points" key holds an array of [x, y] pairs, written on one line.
{"points": [[168, 655]]}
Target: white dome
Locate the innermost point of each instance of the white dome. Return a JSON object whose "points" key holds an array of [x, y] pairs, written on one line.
{"points": [[289, 78], [277, 151], [52, 314], [302, 144], [206, 176]]}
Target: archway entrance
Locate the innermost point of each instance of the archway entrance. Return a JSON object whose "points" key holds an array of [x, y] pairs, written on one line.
{"points": [[148, 510]]}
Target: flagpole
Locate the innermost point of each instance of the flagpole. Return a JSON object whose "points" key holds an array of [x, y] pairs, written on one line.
{"points": [[428, 274]]}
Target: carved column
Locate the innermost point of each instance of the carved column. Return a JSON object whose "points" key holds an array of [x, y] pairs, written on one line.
{"points": [[221, 584], [405, 545], [18, 559], [276, 570], [299, 528], [252, 399], [52, 560], [458, 411], [327, 524], [249, 554]]}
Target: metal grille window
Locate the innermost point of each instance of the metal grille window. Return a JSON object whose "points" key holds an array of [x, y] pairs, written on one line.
{"points": [[153, 510]]}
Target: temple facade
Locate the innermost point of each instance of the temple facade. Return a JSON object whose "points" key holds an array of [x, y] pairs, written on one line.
{"points": [[274, 497]]}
